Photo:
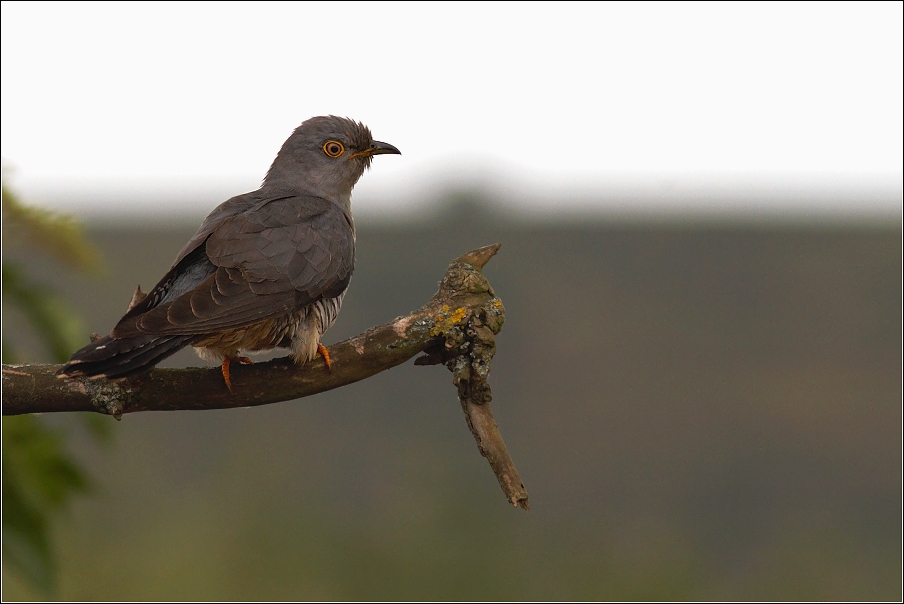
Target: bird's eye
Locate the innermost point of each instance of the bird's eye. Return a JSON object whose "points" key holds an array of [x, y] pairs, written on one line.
{"points": [[333, 148]]}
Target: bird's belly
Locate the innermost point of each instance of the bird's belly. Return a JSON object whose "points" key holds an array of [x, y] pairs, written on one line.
{"points": [[300, 331], [258, 337]]}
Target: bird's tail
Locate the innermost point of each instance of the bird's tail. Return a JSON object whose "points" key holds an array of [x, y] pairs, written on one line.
{"points": [[122, 357]]}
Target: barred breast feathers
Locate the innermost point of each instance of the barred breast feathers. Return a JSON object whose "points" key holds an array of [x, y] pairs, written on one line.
{"points": [[299, 331]]}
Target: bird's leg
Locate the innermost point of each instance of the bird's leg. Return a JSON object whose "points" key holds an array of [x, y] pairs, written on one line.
{"points": [[326, 357], [225, 368]]}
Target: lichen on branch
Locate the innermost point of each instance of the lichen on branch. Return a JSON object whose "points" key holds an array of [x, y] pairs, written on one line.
{"points": [[456, 328]]}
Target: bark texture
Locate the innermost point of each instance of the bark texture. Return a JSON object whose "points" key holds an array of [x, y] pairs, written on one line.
{"points": [[456, 328]]}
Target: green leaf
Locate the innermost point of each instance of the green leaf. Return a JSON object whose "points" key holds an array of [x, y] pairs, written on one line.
{"points": [[58, 235], [39, 478], [60, 329], [38, 481]]}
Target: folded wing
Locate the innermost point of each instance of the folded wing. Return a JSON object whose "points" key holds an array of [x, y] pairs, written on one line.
{"points": [[274, 258]]}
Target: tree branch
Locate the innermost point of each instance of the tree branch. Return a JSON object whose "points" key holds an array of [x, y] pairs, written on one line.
{"points": [[456, 327]]}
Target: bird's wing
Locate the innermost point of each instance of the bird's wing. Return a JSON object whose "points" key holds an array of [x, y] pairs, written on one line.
{"points": [[262, 263], [247, 203], [192, 266]]}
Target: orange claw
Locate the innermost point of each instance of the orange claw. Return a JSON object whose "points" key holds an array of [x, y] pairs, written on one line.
{"points": [[326, 357], [225, 368]]}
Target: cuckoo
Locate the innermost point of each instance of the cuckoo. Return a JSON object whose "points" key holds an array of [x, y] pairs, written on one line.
{"points": [[267, 269]]}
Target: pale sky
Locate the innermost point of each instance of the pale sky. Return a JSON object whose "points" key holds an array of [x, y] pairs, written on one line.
{"points": [[175, 107]]}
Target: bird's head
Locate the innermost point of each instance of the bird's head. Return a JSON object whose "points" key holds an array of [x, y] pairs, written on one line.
{"points": [[326, 156]]}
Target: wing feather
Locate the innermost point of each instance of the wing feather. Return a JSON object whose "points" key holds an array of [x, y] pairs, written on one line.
{"points": [[267, 261]]}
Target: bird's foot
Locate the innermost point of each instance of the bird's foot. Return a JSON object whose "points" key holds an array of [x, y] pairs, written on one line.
{"points": [[225, 368], [326, 357]]}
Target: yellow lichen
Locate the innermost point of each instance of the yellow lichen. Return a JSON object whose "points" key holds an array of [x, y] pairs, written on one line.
{"points": [[444, 323]]}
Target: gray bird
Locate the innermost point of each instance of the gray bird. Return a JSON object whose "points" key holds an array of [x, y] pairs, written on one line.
{"points": [[267, 269]]}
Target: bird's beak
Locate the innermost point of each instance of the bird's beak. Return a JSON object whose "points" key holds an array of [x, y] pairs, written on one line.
{"points": [[377, 148]]}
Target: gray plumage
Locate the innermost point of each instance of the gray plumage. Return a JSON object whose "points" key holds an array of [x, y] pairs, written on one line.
{"points": [[267, 269]]}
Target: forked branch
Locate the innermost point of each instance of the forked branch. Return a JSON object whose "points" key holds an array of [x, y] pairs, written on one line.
{"points": [[456, 327]]}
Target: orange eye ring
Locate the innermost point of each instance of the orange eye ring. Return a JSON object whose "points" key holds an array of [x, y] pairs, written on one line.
{"points": [[333, 148]]}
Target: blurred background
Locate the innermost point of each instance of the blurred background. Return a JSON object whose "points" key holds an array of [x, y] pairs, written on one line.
{"points": [[699, 377]]}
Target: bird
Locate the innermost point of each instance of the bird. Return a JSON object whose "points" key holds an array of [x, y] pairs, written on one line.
{"points": [[266, 270]]}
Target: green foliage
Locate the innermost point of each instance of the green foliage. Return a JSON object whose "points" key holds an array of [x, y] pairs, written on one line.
{"points": [[38, 481], [57, 235], [39, 478], [59, 328]]}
